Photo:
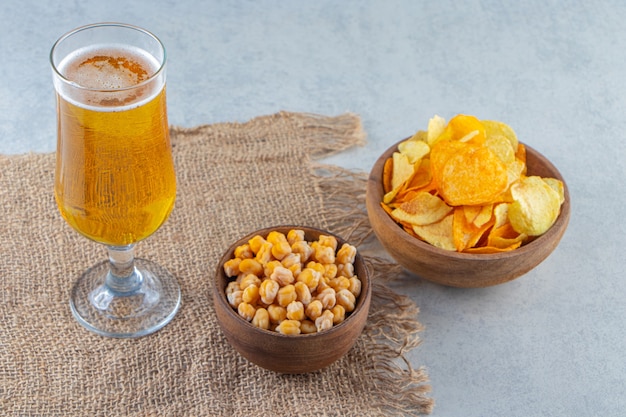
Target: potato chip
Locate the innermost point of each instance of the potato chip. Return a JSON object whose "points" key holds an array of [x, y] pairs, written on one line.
{"points": [[500, 214], [536, 206], [386, 208], [402, 170], [478, 215], [440, 154], [557, 186], [473, 176], [464, 127], [465, 233], [505, 237], [421, 177], [437, 234], [503, 149], [484, 216], [471, 212], [436, 126], [387, 173], [420, 135], [495, 128], [414, 150], [390, 196], [514, 171], [491, 249], [422, 210], [521, 155]]}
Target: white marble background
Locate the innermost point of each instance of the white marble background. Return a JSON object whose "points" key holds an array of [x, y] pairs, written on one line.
{"points": [[551, 343]]}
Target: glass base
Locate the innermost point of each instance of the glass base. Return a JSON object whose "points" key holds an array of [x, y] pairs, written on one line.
{"points": [[109, 307]]}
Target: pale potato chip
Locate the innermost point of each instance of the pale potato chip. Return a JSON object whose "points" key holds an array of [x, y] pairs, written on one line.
{"points": [[402, 170], [414, 150], [557, 186], [495, 128], [436, 126], [501, 147], [501, 214], [420, 135], [438, 234], [536, 206], [422, 210], [389, 197], [514, 171]]}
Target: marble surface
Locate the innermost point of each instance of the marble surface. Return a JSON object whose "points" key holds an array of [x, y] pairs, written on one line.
{"points": [[551, 343]]}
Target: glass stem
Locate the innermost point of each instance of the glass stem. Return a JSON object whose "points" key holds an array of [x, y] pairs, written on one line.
{"points": [[123, 277]]}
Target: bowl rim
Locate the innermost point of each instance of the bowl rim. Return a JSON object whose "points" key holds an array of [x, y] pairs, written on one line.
{"points": [[375, 187], [220, 295]]}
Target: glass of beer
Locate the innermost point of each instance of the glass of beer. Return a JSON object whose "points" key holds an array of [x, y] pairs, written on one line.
{"points": [[115, 181]]}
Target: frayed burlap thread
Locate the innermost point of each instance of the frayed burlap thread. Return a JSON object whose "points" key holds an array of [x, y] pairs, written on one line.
{"points": [[232, 178]]}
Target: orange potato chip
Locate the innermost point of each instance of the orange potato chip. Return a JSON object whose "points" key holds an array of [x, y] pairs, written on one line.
{"points": [[440, 154], [471, 212], [478, 215], [473, 176], [385, 207], [465, 233], [484, 216], [536, 206], [491, 249], [504, 243], [504, 236], [462, 127], [421, 177], [387, 173], [521, 155]]}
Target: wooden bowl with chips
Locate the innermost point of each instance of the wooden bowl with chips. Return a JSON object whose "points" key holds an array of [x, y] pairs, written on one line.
{"points": [[458, 269], [290, 353]]}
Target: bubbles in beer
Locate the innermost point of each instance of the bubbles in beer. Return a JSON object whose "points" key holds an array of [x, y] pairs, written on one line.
{"points": [[108, 72], [111, 70]]}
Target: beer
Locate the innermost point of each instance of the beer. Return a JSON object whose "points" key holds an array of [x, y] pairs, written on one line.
{"points": [[115, 181]]}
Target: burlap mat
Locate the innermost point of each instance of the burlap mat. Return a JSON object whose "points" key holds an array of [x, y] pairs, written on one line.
{"points": [[233, 178]]}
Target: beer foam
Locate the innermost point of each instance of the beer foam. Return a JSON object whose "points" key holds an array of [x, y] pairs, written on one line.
{"points": [[104, 77]]}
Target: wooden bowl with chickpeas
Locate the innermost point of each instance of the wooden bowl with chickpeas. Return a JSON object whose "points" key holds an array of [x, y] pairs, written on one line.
{"points": [[292, 299]]}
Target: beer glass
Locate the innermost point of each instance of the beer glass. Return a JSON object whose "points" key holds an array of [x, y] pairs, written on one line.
{"points": [[115, 181]]}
